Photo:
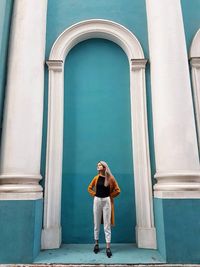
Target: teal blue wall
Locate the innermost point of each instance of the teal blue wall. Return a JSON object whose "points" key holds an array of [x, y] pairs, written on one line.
{"points": [[86, 79], [178, 228], [20, 230], [191, 19], [97, 125], [63, 13], [5, 20]]}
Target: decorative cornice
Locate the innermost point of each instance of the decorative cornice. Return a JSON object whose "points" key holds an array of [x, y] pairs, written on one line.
{"points": [[55, 65], [137, 64]]}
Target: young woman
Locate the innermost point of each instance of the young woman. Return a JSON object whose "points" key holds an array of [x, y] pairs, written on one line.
{"points": [[103, 188]]}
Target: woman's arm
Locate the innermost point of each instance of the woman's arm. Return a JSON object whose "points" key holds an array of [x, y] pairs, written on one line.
{"points": [[91, 186], [116, 190]]}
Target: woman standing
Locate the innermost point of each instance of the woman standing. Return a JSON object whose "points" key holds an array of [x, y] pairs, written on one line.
{"points": [[103, 188]]}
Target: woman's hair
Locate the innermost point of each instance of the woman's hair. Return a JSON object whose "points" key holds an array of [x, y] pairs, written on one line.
{"points": [[108, 172]]}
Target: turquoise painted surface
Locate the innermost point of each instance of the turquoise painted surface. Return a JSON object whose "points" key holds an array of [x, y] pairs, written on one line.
{"points": [[181, 229], [130, 13], [159, 224], [5, 20], [37, 227], [191, 19], [97, 125], [83, 254], [20, 230]]}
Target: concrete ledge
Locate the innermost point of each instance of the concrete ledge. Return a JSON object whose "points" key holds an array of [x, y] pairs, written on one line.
{"points": [[100, 265]]}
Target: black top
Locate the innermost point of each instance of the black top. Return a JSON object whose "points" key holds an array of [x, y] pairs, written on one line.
{"points": [[101, 190]]}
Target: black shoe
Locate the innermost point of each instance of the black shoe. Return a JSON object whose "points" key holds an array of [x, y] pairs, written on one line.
{"points": [[96, 249], [108, 252]]}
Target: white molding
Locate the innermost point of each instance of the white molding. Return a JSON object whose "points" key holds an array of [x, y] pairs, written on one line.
{"points": [[96, 28], [55, 65], [177, 194], [177, 181], [143, 187], [137, 64], [16, 183], [195, 62], [21, 196]]}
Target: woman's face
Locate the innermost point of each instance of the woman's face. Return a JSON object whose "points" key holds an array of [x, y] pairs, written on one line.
{"points": [[100, 167]]}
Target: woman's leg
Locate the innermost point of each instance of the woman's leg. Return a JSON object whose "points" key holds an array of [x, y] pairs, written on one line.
{"points": [[97, 211], [107, 223]]}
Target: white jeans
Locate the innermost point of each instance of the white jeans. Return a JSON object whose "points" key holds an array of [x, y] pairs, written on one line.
{"points": [[102, 205]]}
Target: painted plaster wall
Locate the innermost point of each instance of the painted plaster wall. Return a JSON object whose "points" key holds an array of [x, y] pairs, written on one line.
{"points": [[83, 136], [178, 229], [5, 20], [191, 19], [97, 126], [20, 230]]}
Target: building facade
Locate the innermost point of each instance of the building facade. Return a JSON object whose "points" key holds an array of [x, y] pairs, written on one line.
{"points": [[83, 81]]}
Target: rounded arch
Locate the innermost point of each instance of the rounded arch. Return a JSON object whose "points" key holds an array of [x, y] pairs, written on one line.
{"points": [[97, 28]]}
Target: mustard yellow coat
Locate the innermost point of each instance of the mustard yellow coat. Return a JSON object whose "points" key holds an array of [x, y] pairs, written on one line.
{"points": [[114, 191]]}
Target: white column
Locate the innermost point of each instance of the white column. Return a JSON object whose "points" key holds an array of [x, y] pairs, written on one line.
{"points": [[22, 124], [176, 151]]}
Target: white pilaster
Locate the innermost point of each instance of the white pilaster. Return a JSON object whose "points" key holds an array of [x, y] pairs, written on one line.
{"points": [[51, 232], [145, 230], [195, 66], [176, 150], [23, 113]]}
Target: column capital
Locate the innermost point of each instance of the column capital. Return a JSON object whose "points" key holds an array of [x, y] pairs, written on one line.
{"points": [[137, 64], [55, 65], [195, 62]]}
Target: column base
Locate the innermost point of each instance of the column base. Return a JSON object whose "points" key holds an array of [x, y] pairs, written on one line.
{"points": [[177, 181], [20, 183], [146, 237], [51, 237]]}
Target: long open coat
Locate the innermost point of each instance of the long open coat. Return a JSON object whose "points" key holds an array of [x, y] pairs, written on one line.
{"points": [[114, 191]]}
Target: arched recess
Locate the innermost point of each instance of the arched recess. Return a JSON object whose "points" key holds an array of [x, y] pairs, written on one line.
{"points": [[195, 66], [97, 28]]}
